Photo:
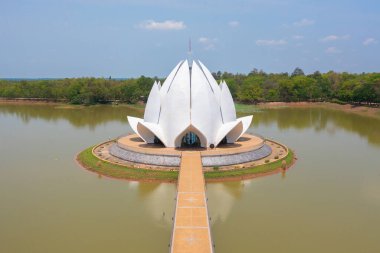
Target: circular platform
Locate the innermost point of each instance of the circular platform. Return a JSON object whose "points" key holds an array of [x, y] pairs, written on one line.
{"points": [[131, 150]]}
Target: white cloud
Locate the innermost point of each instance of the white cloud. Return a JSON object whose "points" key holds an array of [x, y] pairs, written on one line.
{"points": [[369, 41], [330, 38], [334, 38], [233, 23], [164, 25], [332, 50], [270, 42], [304, 22], [208, 43], [298, 37]]}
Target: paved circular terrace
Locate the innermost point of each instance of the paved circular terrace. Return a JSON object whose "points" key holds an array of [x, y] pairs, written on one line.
{"points": [[132, 151]]}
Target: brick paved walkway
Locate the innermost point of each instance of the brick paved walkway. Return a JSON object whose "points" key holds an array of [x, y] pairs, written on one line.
{"points": [[191, 232]]}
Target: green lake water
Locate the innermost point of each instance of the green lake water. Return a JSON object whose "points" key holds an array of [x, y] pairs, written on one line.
{"points": [[328, 202]]}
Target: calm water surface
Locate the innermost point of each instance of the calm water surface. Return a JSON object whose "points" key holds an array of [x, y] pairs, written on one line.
{"points": [[328, 202]]}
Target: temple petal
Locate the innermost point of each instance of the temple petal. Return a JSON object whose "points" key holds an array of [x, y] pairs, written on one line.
{"points": [[211, 80], [133, 121], [152, 108], [169, 80], [205, 110], [246, 121], [227, 104], [225, 129], [149, 131], [175, 107], [235, 133]]}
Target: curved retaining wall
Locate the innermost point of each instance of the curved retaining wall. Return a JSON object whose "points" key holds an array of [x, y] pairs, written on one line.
{"points": [[174, 160], [225, 160], [161, 160]]}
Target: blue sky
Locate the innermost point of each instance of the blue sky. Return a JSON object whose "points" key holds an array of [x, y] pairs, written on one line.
{"points": [[129, 38]]}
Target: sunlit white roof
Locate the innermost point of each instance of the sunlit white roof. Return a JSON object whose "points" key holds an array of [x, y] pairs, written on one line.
{"points": [[190, 100]]}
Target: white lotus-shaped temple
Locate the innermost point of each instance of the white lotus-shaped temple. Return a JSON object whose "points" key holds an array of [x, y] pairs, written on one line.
{"points": [[190, 109]]}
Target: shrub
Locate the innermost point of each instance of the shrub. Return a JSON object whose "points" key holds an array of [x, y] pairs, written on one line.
{"points": [[267, 161], [216, 168], [337, 101]]}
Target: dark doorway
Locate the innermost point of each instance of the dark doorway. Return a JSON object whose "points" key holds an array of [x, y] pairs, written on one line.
{"points": [[157, 141], [224, 141], [190, 140]]}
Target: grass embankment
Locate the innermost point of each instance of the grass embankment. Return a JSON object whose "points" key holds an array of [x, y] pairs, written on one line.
{"points": [[250, 172], [348, 108], [92, 163]]}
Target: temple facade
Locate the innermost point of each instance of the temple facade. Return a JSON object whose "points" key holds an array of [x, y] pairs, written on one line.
{"points": [[190, 109]]}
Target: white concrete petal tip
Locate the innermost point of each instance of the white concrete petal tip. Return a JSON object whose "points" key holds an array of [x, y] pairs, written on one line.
{"points": [[247, 120], [133, 121]]}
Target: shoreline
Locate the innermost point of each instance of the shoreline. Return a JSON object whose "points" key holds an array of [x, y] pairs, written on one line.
{"points": [[32, 101], [349, 108]]}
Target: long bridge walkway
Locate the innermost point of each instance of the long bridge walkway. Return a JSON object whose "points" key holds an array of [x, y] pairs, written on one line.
{"points": [[191, 232]]}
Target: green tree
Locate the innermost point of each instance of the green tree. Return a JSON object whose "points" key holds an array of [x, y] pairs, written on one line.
{"points": [[251, 93], [298, 72]]}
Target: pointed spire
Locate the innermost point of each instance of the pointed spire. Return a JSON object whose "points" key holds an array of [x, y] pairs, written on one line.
{"points": [[190, 55]]}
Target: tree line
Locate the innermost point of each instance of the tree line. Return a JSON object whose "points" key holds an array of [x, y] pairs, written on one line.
{"points": [[79, 90], [256, 86]]}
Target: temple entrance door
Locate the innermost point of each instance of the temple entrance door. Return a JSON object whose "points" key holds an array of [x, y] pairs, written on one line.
{"points": [[190, 140]]}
